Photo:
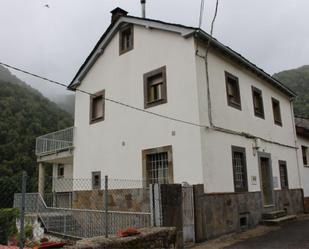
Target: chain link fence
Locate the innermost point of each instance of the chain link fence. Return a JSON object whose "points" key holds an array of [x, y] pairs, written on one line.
{"points": [[82, 208]]}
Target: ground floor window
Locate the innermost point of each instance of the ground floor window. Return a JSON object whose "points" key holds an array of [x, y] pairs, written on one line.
{"points": [[239, 169], [158, 165], [96, 180], [60, 171], [283, 175]]}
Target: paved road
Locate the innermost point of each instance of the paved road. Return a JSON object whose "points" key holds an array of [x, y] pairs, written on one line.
{"points": [[293, 235]]}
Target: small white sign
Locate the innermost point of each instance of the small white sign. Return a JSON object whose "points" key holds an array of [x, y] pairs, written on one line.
{"points": [[253, 180]]}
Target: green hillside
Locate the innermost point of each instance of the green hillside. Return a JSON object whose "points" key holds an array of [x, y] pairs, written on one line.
{"points": [[24, 115], [297, 80]]}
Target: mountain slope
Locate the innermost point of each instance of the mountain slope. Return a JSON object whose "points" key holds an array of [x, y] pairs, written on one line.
{"points": [[298, 80], [24, 115]]}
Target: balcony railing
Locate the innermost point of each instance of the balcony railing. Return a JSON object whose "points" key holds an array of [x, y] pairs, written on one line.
{"points": [[55, 142]]}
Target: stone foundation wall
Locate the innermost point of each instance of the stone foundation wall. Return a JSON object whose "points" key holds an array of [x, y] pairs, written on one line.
{"points": [[222, 213], [218, 214], [291, 200], [306, 204], [132, 200]]}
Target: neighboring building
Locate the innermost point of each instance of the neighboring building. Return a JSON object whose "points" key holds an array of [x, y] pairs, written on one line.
{"points": [[247, 142], [302, 130]]}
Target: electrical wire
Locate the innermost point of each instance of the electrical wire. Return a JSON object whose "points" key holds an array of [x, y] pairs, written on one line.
{"points": [[107, 99]]}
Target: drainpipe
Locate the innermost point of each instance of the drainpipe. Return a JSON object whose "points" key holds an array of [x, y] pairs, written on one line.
{"points": [[296, 144]]}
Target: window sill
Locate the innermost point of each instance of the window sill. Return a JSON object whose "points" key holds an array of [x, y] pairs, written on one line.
{"points": [[278, 123], [259, 115], [235, 105], [95, 120], [155, 103], [121, 52]]}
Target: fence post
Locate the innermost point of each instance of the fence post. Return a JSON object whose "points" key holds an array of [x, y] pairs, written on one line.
{"points": [[22, 213], [106, 206]]}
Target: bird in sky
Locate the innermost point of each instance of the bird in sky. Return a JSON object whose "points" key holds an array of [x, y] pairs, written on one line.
{"points": [[46, 5]]}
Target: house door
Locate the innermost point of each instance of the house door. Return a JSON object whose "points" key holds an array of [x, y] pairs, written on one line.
{"points": [[266, 180]]}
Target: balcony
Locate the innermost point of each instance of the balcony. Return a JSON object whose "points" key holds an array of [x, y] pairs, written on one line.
{"points": [[55, 143]]}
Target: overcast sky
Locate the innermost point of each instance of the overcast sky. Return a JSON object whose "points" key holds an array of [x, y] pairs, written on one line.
{"points": [[54, 41]]}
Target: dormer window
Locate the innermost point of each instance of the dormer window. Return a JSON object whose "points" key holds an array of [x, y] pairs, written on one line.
{"points": [[232, 91], [155, 87], [126, 39]]}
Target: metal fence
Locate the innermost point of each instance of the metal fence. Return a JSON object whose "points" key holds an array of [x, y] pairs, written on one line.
{"points": [[55, 142], [84, 208]]}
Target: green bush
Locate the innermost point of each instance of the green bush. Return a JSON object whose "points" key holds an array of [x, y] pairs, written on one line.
{"points": [[8, 227]]}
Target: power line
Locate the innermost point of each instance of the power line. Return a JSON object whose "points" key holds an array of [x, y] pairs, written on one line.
{"points": [[107, 99]]}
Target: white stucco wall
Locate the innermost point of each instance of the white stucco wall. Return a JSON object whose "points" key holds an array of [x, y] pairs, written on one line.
{"points": [[114, 146], [99, 147], [64, 184], [304, 171], [217, 159]]}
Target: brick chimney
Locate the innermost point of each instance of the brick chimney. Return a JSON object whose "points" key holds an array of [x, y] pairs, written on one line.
{"points": [[117, 13]]}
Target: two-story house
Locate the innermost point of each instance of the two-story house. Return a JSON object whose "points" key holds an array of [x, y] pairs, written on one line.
{"points": [[218, 119]]}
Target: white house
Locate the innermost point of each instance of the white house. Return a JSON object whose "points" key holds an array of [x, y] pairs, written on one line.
{"points": [[234, 132], [302, 130]]}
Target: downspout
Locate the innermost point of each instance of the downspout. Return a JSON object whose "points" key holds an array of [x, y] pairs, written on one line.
{"points": [[296, 144], [207, 79]]}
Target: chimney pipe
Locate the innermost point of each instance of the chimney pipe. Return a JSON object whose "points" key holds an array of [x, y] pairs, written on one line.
{"points": [[143, 2]]}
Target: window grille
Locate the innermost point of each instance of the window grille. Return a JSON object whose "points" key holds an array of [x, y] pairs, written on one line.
{"points": [[157, 168], [283, 175], [240, 169]]}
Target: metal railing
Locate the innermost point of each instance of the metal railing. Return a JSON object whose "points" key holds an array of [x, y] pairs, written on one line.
{"points": [[80, 223], [80, 209], [55, 142]]}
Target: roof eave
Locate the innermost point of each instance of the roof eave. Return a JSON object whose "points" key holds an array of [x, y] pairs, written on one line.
{"points": [[112, 29], [247, 63]]}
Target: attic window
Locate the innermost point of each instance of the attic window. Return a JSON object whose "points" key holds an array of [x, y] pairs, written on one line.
{"points": [[126, 39], [257, 102], [232, 91], [97, 107], [276, 112], [155, 87]]}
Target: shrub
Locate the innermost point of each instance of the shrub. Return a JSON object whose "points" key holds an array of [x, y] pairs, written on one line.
{"points": [[8, 227]]}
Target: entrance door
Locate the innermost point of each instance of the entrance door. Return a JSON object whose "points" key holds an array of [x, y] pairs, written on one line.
{"points": [[266, 180]]}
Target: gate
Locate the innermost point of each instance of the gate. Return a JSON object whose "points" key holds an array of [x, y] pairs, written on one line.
{"points": [[188, 214]]}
